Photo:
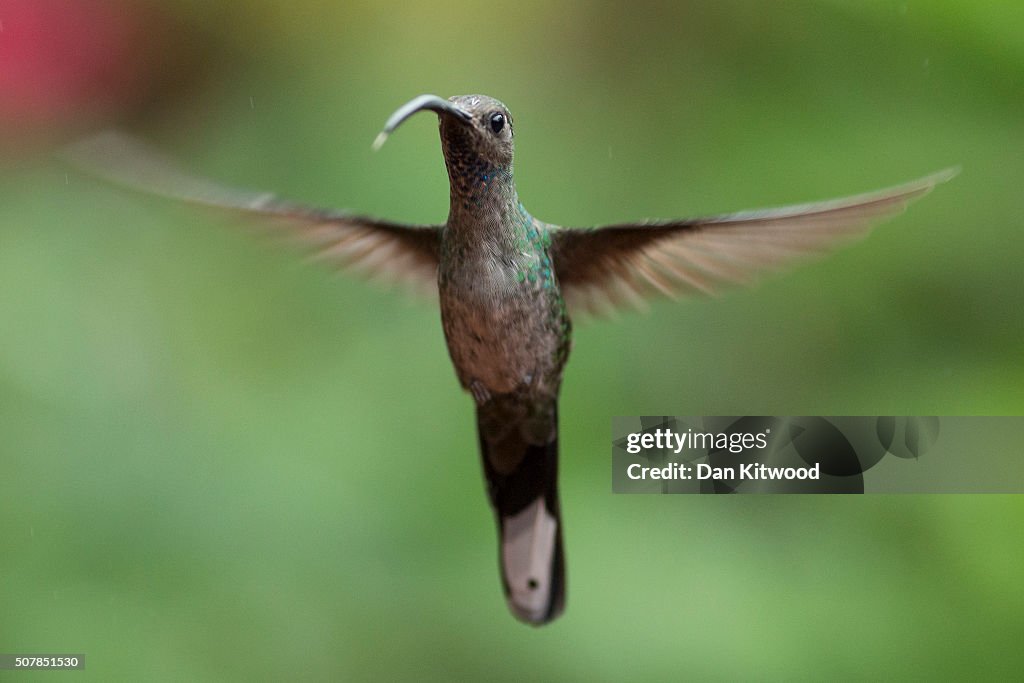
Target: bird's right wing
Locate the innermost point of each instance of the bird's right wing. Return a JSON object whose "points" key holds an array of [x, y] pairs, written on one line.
{"points": [[377, 248]]}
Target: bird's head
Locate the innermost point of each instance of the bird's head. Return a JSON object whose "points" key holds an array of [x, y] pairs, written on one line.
{"points": [[476, 131]]}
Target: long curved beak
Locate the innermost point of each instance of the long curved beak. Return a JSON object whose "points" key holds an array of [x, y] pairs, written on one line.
{"points": [[422, 103]]}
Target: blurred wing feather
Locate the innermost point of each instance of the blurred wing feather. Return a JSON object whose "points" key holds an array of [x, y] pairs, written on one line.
{"points": [[375, 248], [600, 269]]}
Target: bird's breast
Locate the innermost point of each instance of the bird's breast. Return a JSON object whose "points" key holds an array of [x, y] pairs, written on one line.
{"points": [[503, 328]]}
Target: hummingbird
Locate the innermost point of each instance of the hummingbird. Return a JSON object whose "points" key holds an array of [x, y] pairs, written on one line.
{"points": [[508, 283]]}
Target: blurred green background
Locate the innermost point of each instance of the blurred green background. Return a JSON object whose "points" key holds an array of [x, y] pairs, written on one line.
{"points": [[218, 463]]}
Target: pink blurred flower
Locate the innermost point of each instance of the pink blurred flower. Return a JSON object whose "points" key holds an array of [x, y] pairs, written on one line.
{"points": [[66, 62]]}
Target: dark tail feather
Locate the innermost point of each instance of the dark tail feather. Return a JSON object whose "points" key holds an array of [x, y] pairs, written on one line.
{"points": [[522, 483]]}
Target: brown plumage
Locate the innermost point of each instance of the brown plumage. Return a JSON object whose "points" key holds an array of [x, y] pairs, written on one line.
{"points": [[598, 269]]}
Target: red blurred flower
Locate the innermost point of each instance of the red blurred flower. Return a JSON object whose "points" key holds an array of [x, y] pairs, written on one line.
{"points": [[64, 62]]}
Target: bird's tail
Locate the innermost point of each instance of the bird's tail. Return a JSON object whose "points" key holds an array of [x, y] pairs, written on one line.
{"points": [[520, 458]]}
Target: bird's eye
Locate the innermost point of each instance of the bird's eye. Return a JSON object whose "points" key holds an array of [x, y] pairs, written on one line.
{"points": [[497, 121]]}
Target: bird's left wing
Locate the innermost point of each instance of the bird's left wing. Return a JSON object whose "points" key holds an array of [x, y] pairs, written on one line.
{"points": [[377, 248], [600, 269]]}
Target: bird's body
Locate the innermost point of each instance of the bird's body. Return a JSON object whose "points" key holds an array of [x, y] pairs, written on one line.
{"points": [[507, 331], [507, 283], [503, 313]]}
